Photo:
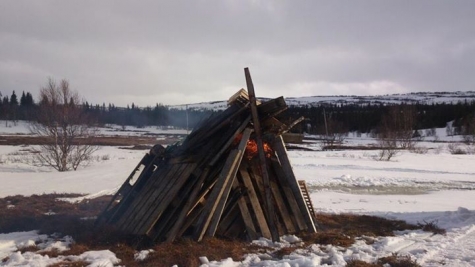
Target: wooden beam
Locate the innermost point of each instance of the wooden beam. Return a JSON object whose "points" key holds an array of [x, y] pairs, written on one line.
{"points": [[262, 157]]}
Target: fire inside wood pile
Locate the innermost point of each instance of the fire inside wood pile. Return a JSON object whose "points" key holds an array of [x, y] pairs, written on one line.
{"points": [[225, 179]]}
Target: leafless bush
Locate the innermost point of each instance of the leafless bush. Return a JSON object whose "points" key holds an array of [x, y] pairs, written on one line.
{"points": [[455, 149], [468, 130], [419, 150], [67, 129], [396, 131], [431, 132]]}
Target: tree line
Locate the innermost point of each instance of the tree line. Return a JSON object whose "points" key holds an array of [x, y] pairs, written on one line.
{"points": [[339, 118]]}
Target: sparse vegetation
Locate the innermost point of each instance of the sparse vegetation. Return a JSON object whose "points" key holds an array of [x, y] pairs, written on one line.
{"points": [[28, 213]]}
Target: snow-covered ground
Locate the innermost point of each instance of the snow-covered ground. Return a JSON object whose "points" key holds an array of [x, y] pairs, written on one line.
{"points": [[432, 187]]}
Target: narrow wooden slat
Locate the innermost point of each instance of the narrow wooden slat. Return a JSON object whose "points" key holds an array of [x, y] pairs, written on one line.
{"points": [[308, 200], [230, 141], [281, 152], [289, 196], [223, 198], [256, 205], [246, 215], [181, 217], [154, 191], [280, 203], [262, 157], [165, 200], [169, 216], [157, 189], [130, 215], [216, 194]]}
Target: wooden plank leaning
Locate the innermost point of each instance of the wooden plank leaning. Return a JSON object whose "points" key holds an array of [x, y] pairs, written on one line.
{"points": [[281, 152], [226, 176], [262, 157], [256, 205]]}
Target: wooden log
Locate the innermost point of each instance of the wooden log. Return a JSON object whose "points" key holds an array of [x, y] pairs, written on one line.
{"points": [[216, 197], [281, 153], [262, 156]]}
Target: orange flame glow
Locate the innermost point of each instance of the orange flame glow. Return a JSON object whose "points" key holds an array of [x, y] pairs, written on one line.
{"points": [[251, 148]]}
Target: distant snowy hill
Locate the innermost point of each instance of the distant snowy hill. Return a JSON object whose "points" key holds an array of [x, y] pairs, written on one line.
{"points": [[409, 98]]}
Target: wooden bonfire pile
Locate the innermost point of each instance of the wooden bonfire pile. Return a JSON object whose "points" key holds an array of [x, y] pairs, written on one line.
{"points": [[230, 177]]}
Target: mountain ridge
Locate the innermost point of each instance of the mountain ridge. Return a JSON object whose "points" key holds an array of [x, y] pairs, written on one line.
{"points": [[426, 98]]}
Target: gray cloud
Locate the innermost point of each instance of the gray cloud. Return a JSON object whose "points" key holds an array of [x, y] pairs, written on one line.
{"points": [[175, 52]]}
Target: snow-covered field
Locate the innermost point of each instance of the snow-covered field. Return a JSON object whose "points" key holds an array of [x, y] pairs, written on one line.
{"points": [[432, 187]]}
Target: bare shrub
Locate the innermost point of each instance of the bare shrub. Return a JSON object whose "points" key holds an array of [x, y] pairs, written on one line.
{"points": [[430, 132], [68, 130], [468, 130], [419, 150], [396, 131], [432, 227], [455, 149]]}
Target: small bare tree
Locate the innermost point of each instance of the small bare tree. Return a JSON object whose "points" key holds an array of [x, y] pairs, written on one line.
{"points": [[67, 130], [396, 131], [468, 130]]}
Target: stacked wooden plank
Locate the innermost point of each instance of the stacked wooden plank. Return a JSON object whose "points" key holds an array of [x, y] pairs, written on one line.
{"points": [[230, 177]]}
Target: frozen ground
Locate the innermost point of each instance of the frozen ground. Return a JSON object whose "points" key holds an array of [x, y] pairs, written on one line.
{"points": [[432, 187]]}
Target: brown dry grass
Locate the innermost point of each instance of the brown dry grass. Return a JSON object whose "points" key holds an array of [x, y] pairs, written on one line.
{"points": [[28, 213]]}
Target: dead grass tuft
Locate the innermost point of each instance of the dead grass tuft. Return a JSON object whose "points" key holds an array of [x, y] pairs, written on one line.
{"points": [[432, 227], [187, 252], [360, 225], [398, 261], [332, 237], [359, 263], [393, 261], [70, 264], [285, 251]]}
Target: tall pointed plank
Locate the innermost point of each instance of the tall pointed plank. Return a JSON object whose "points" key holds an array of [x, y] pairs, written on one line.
{"points": [[281, 152], [262, 156]]}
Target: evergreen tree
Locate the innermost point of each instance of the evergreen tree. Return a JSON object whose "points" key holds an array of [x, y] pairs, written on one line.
{"points": [[29, 99], [23, 99], [14, 99]]}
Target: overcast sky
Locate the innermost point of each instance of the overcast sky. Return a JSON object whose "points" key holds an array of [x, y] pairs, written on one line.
{"points": [[178, 52]]}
